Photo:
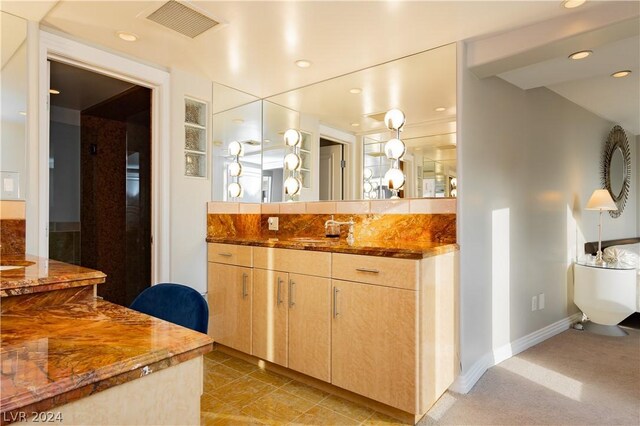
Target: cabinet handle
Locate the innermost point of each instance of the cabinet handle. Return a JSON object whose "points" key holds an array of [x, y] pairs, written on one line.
{"points": [[291, 302], [371, 271], [225, 254], [244, 285], [336, 290], [279, 296]]}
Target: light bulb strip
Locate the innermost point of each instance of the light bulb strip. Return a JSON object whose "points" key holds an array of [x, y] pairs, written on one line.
{"points": [[234, 189]]}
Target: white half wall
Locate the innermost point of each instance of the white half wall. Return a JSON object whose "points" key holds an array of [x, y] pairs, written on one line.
{"points": [[189, 195], [529, 160]]}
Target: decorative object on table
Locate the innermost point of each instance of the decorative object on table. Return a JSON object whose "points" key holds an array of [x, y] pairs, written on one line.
{"points": [[395, 149], [620, 256], [292, 163], [600, 200], [236, 150], [616, 168]]}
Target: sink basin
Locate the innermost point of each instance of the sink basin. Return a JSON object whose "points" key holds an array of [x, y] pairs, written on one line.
{"points": [[8, 265], [311, 240]]}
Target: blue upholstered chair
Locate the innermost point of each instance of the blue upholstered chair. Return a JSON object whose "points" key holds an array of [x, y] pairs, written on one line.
{"points": [[175, 303]]}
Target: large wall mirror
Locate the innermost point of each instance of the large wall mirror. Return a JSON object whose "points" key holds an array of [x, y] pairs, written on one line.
{"points": [[616, 168], [342, 134], [14, 106]]}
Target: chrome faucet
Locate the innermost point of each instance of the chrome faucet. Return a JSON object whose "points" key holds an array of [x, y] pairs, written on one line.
{"points": [[350, 237]]}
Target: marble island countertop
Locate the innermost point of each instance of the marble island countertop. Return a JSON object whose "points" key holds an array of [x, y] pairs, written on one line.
{"points": [[52, 355], [36, 274], [400, 250]]}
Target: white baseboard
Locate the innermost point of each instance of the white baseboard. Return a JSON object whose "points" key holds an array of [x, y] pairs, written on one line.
{"points": [[465, 382]]}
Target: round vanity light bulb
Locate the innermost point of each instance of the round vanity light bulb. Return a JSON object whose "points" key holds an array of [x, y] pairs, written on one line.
{"points": [[292, 137], [454, 192], [394, 179], [367, 173], [235, 190], [394, 119], [292, 186], [235, 169], [374, 184], [292, 161], [454, 182], [367, 187], [394, 149], [373, 195], [235, 148]]}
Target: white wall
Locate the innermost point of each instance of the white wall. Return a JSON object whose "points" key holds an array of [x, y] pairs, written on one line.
{"points": [[528, 162], [188, 195], [636, 167]]}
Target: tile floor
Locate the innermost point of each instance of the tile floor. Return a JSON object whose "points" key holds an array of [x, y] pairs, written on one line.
{"points": [[239, 393]]}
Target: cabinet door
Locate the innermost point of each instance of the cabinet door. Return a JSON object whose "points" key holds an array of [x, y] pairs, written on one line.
{"points": [[269, 319], [230, 305], [373, 350], [310, 325]]}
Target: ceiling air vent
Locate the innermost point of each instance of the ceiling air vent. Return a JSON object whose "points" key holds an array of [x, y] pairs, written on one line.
{"points": [[182, 19]]}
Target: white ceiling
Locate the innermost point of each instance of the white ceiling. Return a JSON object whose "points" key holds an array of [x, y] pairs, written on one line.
{"points": [[256, 47]]}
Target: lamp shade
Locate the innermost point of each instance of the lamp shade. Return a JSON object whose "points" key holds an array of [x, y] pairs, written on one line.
{"points": [[601, 200]]}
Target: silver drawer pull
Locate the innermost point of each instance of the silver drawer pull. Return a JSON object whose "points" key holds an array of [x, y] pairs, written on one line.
{"points": [[371, 271], [278, 297], [336, 290], [291, 301], [244, 286], [225, 254]]}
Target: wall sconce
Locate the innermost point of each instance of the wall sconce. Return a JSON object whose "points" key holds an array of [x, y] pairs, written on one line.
{"points": [[292, 163], [395, 149], [235, 169]]}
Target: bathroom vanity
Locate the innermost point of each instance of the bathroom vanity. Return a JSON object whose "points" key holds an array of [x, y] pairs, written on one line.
{"points": [[68, 357], [375, 318]]}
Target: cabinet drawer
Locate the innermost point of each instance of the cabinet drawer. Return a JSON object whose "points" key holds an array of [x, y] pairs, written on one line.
{"points": [[230, 254], [294, 261], [400, 273]]}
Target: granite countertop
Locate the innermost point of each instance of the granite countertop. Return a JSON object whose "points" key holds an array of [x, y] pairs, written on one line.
{"points": [[38, 274], [400, 250], [53, 355]]}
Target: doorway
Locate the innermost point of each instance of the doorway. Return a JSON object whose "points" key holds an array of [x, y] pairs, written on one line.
{"points": [[332, 164], [100, 178]]}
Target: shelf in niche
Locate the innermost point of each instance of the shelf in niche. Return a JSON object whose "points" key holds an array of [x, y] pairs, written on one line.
{"points": [[197, 126], [195, 165], [195, 112]]}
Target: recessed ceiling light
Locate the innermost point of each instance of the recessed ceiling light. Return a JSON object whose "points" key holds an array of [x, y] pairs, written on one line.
{"points": [[238, 120], [581, 54], [571, 4], [355, 124], [267, 141], [54, 91], [355, 90], [303, 63], [127, 36], [620, 74], [440, 109], [22, 113], [418, 149]]}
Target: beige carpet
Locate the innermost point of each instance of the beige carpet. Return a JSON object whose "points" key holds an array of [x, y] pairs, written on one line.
{"points": [[574, 378]]}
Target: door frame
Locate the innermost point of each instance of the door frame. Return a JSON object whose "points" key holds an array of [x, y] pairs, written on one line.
{"points": [[74, 53], [348, 141]]}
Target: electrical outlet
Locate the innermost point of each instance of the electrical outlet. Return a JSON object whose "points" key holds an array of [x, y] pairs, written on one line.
{"points": [[541, 301], [534, 303], [273, 223]]}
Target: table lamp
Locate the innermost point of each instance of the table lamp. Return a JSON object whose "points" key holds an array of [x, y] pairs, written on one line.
{"points": [[600, 200]]}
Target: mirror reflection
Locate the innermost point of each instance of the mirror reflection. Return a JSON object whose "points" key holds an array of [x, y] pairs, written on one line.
{"points": [[343, 132], [618, 172], [14, 106]]}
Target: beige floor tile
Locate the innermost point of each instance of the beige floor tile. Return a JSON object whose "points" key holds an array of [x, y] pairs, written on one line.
{"points": [[243, 391], [240, 365], [219, 375], [277, 408], [270, 377], [304, 391], [226, 415], [379, 419], [217, 356], [209, 402], [322, 416], [346, 408]]}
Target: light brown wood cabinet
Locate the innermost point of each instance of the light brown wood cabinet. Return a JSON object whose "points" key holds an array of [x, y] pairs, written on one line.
{"points": [[229, 295], [383, 328], [270, 315], [373, 342]]}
